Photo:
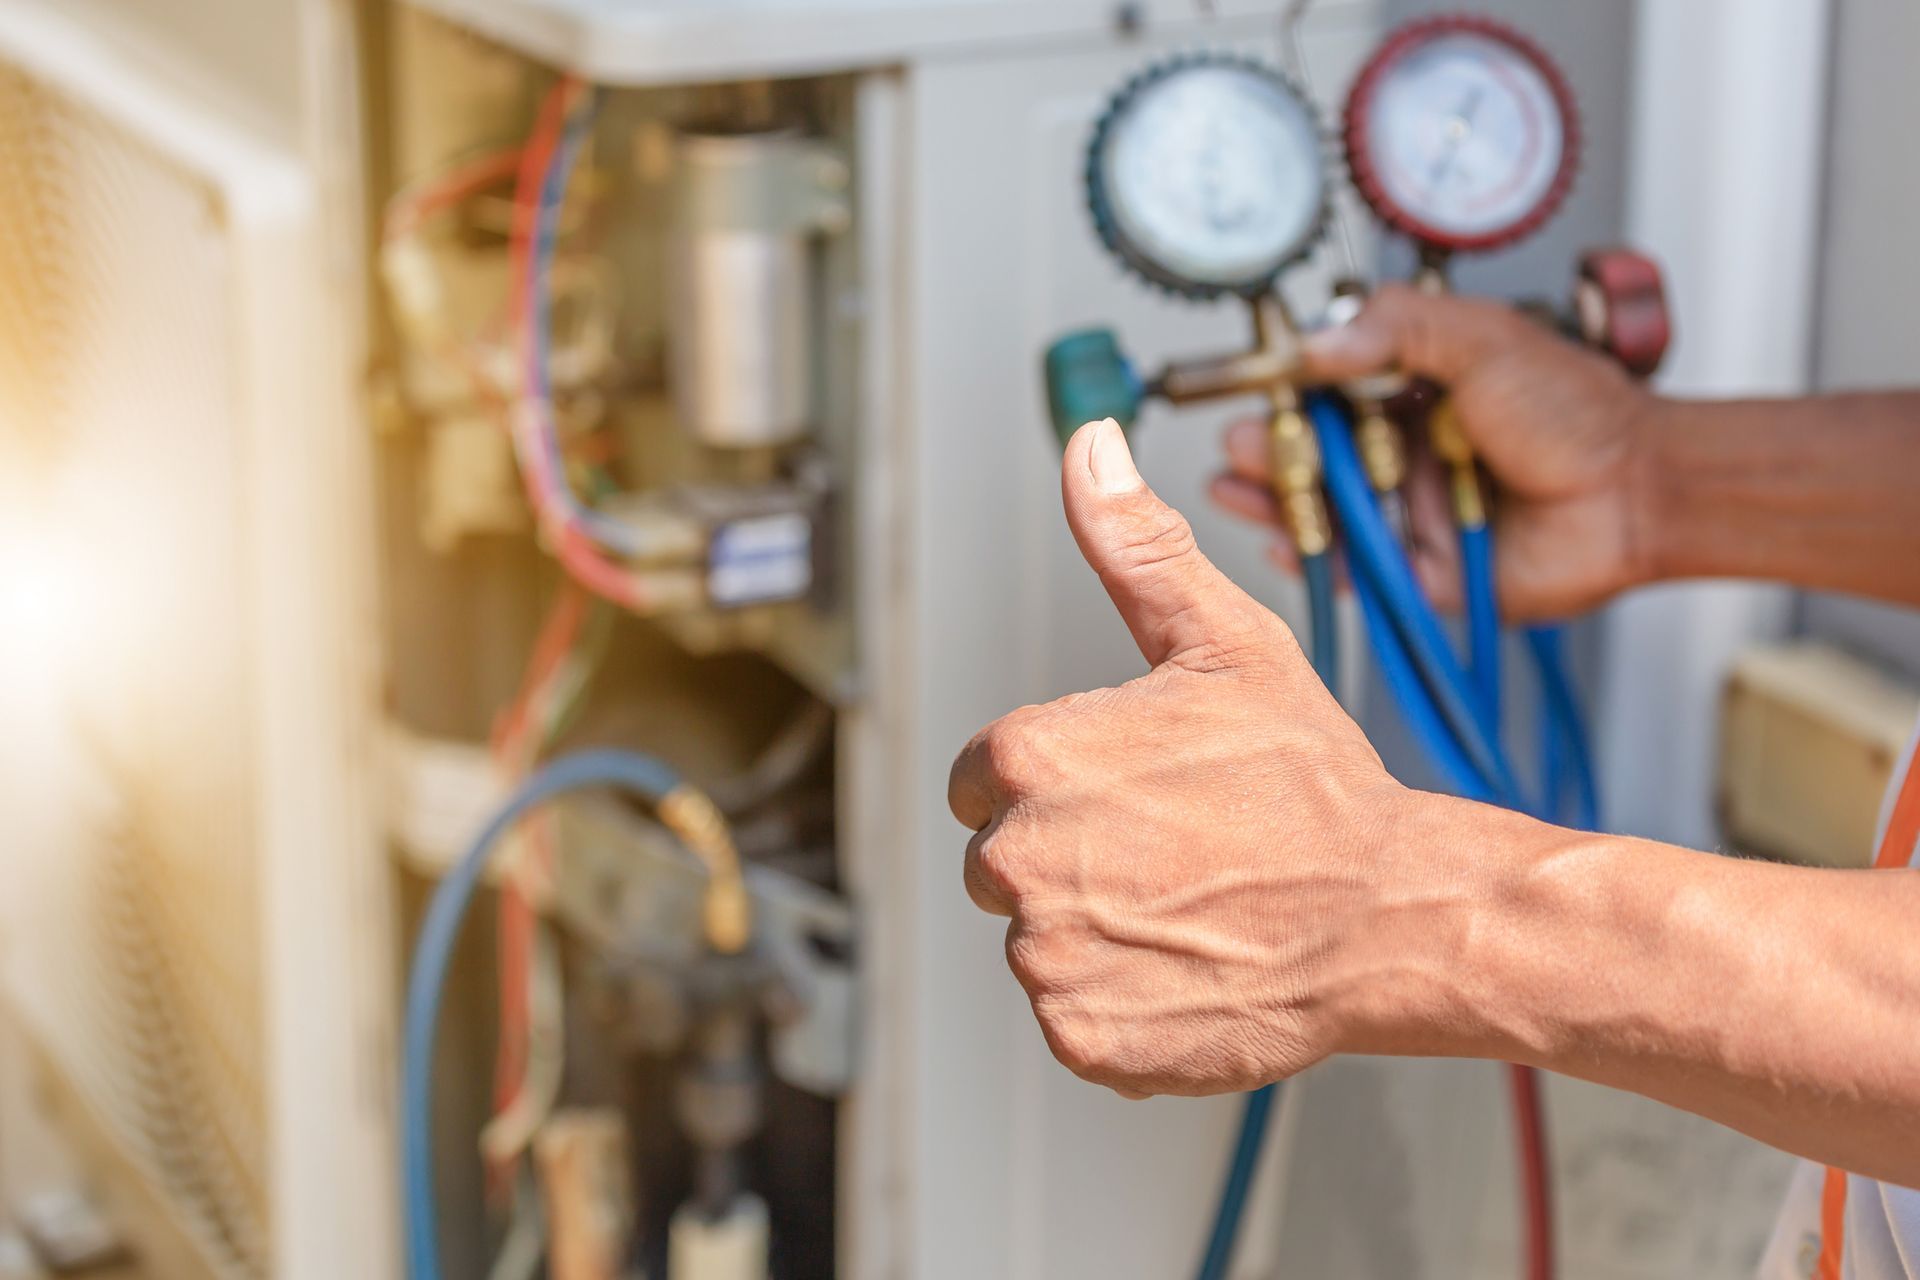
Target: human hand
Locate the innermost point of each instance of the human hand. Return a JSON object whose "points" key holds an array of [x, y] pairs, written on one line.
{"points": [[1558, 427], [1201, 865]]}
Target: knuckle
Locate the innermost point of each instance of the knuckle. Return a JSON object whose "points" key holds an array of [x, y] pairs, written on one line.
{"points": [[1045, 959], [1026, 963], [1016, 750], [1076, 1043], [1008, 753], [998, 868]]}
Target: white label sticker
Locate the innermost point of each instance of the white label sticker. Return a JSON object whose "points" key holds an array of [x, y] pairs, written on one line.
{"points": [[761, 559]]}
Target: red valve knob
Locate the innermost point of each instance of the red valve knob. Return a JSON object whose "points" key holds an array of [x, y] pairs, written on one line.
{"points": [[1620, 305]]}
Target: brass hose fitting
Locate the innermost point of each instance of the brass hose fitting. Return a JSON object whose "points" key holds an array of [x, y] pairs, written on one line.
{"points": [[1451, 446], [1296, 477], [1382, 452], [726, 909]]}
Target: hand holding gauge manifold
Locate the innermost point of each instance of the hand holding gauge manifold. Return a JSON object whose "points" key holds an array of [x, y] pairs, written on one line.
{"points": [[1557, 427], [1463, 137]]}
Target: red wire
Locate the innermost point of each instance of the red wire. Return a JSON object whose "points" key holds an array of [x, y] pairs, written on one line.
{"points": [[415, 206], [577, 553], [511, 747], [1536, 1173]]}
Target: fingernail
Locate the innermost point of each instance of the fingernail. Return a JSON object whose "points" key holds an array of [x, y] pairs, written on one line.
{"points": [[1112, 461]]}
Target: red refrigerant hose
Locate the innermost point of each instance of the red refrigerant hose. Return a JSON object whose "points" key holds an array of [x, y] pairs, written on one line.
{"points": [[1536, 1173]]}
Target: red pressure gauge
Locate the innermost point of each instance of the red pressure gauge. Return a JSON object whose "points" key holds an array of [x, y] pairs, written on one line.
{"points": [[1462, 134]]}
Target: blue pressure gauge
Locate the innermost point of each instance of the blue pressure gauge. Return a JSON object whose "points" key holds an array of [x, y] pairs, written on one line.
{"points": [[1207, 176]]}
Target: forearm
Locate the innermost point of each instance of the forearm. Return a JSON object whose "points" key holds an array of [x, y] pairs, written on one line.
{"points": [[1781, 1001], [1816, 492]]}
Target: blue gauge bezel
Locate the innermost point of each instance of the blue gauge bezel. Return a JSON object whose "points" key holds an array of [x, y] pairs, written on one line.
{"points": [[1136, 259]]}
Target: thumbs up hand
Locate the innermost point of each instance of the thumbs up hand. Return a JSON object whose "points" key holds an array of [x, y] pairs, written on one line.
{"points": [[1193, 861]]}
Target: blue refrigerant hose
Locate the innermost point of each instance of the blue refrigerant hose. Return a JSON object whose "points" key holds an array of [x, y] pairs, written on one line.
{"points": [[1423, 721], [1564, 745], [1454, 715], [1324, 646], [1375, 554], [1483, 621], [627, 771]]}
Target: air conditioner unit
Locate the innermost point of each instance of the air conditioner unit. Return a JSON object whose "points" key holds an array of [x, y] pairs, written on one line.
{"points": [[192, 926], [199, 917]]}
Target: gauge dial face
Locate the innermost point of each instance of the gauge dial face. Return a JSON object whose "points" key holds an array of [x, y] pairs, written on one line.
{"points": [[1461, 134], [1207, 176]]}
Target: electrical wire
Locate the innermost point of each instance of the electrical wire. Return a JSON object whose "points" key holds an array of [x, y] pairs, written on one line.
{"points": [[640, 775], [418, 204], [1324, 646], [557, 673], [587, 543]]}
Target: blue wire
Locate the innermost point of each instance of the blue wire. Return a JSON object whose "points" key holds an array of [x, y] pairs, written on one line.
{"points": [[1567, 724], [1324, 646], [624, 770], [1373, 552], [1483, 622], [608, 532]]}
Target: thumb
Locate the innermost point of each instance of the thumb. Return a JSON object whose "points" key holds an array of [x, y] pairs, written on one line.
{"points": [[1401, 329], [1171, 597]]}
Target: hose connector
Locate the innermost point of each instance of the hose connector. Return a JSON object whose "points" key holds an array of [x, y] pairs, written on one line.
{"points": [[726, 911], [1382, 451], [1296, 477], [1450, 445]]}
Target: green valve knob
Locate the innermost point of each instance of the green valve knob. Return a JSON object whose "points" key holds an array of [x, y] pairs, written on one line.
{"points": [[1088, 378]]}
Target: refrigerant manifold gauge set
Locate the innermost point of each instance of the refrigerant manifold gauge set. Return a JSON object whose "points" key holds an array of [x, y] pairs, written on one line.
{"points": [[1209, 177]]}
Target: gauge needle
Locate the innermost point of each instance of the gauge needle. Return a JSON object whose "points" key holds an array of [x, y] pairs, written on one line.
{"points": [[1459, 129]]}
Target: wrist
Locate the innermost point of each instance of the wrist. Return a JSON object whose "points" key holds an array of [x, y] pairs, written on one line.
{"points": [[1650, 485], [1429, 967]]}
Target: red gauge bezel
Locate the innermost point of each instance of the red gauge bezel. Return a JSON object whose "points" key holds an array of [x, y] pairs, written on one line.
{"points": [[1366, 178]]}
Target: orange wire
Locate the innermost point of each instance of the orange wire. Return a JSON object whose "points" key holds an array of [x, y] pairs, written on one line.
{"points": [[515, 747], [414, 207]]}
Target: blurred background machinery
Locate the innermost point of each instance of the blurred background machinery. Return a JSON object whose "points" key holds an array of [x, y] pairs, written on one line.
{"points": [[396, 397]]}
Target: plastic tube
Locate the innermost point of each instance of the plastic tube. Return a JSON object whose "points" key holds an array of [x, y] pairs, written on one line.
{"points": [[1240, 1171], [1324, 642], [624, 770], [1567, 727], [1380, 567], [1422, 719], [1372, 551], [1483, 622], [1536, 1177], [1324, 646]]}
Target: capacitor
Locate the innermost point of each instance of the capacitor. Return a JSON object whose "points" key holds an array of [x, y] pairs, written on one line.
{"points": [[749, 209]]}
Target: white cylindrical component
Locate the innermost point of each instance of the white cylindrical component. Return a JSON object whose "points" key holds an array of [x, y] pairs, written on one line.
{"points": [[741, 284], [742, 370], [732, 1247]]}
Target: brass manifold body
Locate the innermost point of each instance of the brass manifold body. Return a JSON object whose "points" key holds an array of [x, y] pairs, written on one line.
{"points": [[1271, 369]]}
